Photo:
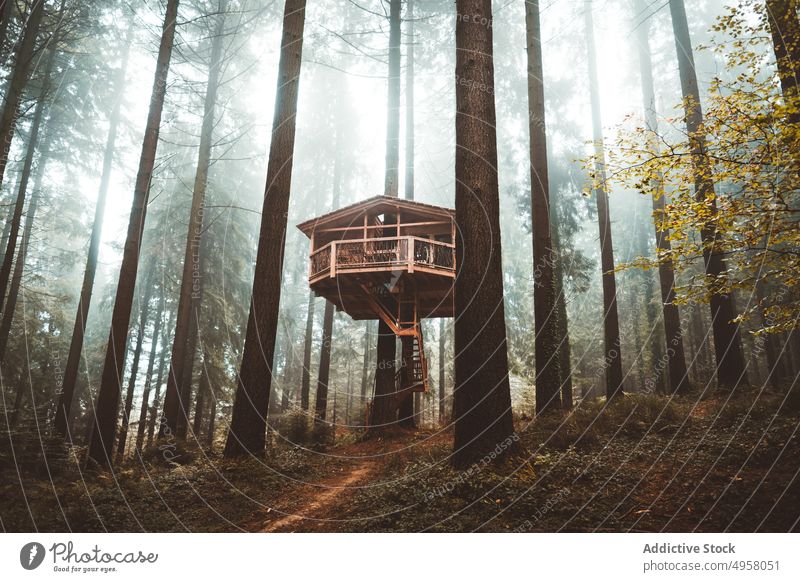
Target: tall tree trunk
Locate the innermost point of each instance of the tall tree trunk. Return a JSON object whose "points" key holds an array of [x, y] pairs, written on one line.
{"points": [[137, 354], [679, 382], [67, 394], [305, 386], [382, 411], [11, 107], [548, 370], [482, 395], [730, 364], [248, 426], [442, 415], [321, 403], [391, 176], [107, 407], [613, 346], [155, 344], [185, 342], [288, 377], [409, 178], [365, 365], [162, 361], [323, 374], [564, 349]]}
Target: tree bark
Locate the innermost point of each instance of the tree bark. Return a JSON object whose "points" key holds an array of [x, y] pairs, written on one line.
{"points": [[185, 341], [67, 395], [248, 426], [548, 371], [482, 395], [730, 364], [107, 407], [679, 382], [613, 346]]}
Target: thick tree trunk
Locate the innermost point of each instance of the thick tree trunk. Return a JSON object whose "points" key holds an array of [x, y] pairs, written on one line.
{"points": [[679, 382], [11, 105], [613, 346], [482, 396], [248, 426], [382, 412], [305, 386], [107, 407], [137, 354], [155, 344], [730, 364], [548, 370], [185, 342], [67, 394]]}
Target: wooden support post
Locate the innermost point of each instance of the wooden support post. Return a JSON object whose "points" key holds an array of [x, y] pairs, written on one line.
{"points": [[333, 259]]}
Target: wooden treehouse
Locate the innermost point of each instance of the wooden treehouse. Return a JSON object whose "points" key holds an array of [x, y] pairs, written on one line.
{"points": [[389, 259]]}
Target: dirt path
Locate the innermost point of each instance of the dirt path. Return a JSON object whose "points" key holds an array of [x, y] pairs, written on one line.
{"points": [[315, 503]]}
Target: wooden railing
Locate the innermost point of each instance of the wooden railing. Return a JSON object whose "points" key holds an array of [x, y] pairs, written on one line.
{"points": [[377, 253]]}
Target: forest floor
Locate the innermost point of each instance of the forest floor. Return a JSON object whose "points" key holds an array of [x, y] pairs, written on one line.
{"points": [[644, 463]]}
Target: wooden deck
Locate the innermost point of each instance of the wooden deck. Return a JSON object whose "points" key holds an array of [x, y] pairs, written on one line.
{"points": [[353, 274], [406, 253]]}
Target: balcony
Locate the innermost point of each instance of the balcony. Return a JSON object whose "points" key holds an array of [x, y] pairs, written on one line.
{"points": [[409, 253]]}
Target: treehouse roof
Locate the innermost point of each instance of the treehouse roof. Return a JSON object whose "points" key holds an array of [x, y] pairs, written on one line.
{"points": [[350, 215]]}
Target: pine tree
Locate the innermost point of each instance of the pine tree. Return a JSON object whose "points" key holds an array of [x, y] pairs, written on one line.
{"points": [[247, 432], [107, 407]]}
